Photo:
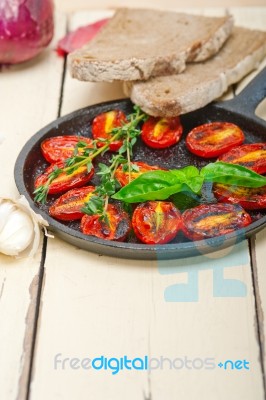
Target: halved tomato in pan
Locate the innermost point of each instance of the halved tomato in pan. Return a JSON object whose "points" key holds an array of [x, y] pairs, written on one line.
{"points": [[64, 181], [156, 222], [210, 220], [115, 226], [248, 198], [159, 133], [102, 127], [213, 139], [69, 206], [138, 168], [252, 156], [60, 148]]}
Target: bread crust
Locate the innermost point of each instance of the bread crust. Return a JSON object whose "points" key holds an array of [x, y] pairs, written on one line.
{"points": [[200, 83], [139, 44]]}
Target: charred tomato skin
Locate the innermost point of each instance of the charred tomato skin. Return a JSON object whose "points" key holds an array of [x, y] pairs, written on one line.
{"points": [[156, 222], [117, 229], [102, 126], [211, 220], [59, 148], [69, 206], [64, 182], [252, 156], [159, 133], [123, 176], [213, 139], [248, 198]]}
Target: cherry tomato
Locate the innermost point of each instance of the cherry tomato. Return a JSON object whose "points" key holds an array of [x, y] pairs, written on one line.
{"points": [[102, 126], [123, 176], [59, 148], [156, 222], [68, 206], [215, 138], [209, 220], [64, 182], [117, 227], [159, 133], [248, 198], [252, 156]]}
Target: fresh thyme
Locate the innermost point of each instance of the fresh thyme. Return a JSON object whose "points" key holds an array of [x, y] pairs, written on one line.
{"points": [[98, 203], [42, 191], [129, 133]]}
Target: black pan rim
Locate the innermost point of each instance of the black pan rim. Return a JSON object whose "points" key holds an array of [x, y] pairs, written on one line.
{"points": [[122, 249]]}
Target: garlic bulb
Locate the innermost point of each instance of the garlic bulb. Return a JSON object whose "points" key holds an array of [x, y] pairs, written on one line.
{"points": [[20, 228]]}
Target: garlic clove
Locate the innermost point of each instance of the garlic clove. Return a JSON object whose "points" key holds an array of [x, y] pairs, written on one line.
{"points": [[17, 233], [6, 208], [20, 228]]}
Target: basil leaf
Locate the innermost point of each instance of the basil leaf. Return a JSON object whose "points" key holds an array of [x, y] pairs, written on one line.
{"points": [[158, 185], [188, 172], [232, 174]]}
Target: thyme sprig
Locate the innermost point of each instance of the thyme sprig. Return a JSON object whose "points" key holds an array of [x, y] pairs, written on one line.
{"points": [[127, 131], [108, 186]]}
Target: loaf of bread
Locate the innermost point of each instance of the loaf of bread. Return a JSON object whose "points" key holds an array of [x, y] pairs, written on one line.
{"points": [[139, 44], [201, 82]]}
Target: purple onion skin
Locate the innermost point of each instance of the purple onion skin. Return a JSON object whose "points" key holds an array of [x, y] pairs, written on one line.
{"points": [[26, 28]]}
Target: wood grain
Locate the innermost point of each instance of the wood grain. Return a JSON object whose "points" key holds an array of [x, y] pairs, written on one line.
{"points": [[29, 100]]}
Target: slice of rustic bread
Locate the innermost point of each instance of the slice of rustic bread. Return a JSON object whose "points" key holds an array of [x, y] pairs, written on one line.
{"points": [[203, 82], [137, 44]]}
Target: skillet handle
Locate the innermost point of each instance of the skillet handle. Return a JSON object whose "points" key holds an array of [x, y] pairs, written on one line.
{"points": [[246, 102]]}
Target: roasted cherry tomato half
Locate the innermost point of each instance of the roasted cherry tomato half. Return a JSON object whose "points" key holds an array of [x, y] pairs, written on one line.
{"points": [[209, 220], [138, 168], [156, 222], [64, 182], [116, 228], [215, 138], [248, 198], [69, 206], [59, 148], [252, 156], [159, 133], [102, 126]]}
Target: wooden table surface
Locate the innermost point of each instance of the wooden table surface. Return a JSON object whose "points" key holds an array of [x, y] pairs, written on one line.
{"points": [[186, 315]]}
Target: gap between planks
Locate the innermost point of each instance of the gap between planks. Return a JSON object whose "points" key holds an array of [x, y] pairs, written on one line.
{"points": [[35, 290], [259, 321]]}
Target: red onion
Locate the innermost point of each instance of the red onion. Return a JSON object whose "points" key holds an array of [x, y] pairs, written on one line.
{"points": [[26, 27]]}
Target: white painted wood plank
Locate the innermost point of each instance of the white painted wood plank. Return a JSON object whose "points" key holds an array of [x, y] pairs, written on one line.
{"points": [[256, 19], [260, 279], [29, 100], [96, 305]]}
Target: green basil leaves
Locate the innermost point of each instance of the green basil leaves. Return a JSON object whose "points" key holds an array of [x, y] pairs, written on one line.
{"points": [[159, 185]]}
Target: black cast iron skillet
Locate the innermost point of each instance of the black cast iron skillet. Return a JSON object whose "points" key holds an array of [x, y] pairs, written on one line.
{"points": [[239, 110]]}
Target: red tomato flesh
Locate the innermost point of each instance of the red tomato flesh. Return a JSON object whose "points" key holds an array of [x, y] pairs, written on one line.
{"points": [[68, 206], [213, 139], [64, 182], [59, 148], [160, 133], [248, 198], [156, 222], [210, 220], [123, 176], [117, 228], [252, 156], [102, 127]]}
